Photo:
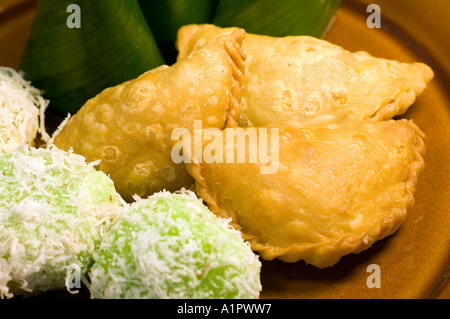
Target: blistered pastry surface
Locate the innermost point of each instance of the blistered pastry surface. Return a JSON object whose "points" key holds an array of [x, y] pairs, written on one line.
{"points": [[337, 190], [129, 127]]}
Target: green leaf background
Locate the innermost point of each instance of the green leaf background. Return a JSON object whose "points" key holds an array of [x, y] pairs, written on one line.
{"points": [[121, 39]]}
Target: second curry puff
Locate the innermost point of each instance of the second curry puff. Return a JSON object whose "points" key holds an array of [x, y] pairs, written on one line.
{"points": [[336, 191], [305, 81]]}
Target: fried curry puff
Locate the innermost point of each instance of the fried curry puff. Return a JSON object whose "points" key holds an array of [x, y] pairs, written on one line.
{"points": [[129, 127], [336, 190], [305, 81]]}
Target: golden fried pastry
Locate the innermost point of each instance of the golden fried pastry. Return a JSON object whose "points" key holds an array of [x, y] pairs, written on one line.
{"points": [[304, 81], [128, 127], [335, 189]]}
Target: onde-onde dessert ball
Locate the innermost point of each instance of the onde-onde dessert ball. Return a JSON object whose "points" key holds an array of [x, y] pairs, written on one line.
{"points": [[22, 110], [54, 210], [171, 246]]}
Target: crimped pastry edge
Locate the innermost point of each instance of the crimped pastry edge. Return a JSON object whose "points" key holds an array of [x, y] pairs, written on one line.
{"points": [[404, 99], [328, 253], [233, 46]]}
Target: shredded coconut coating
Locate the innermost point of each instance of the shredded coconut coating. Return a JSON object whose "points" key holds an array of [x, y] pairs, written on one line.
{"points": [[54, 210], [22, 110], [170, 246]]}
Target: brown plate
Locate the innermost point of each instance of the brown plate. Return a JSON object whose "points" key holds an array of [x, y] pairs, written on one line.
{"points": [[415, 261]]}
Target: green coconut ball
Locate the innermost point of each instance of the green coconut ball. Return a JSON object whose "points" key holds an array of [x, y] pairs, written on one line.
{"points": [[54, 210], [22, 110], [171, 246]]}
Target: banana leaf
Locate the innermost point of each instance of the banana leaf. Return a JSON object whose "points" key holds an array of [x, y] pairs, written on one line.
{"points": [[165, 17], [277, 18], [73, 55]]}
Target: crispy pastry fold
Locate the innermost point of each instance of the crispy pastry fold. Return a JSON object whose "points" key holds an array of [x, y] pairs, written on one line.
{"points": [[128, 127]]}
